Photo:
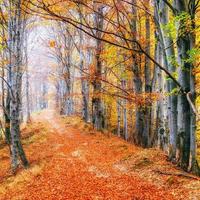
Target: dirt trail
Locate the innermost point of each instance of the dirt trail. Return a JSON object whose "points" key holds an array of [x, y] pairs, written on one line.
{"points": [[73, 165]]}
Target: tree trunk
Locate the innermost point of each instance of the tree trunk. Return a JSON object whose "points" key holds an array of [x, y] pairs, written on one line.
{"points": [[16, 82], [137, 82], [125, 120], [193, 165], [148, 88], [98, 118], [185, 115], [84, 81], [156, 114], [161, 14], [28, 111], [118, 117]]}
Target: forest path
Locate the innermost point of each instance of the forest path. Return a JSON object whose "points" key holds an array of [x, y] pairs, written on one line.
{"points": [[69, 164]]}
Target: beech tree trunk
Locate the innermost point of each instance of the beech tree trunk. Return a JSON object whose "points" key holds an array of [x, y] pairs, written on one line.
{"points": [[186, 117], [157, 115], [27, 84], [97, 110], [119, 117], [148, 86], [84, 81], [137, 82], [162, 17], [15, 39], [193, 165]]}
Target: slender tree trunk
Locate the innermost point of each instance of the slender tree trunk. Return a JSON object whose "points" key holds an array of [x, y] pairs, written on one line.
{"points": [[98, 118], [156, 87], [162, 17], [125, 120], [118, 117], [7, 117], [28, 111], [84, 82], [170, 55], [16, 82], [148, 88], [139, 115]]}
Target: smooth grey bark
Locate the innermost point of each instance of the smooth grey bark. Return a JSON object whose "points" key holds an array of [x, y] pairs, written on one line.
{"points": [[156, 87], [7, 110], [148, 87], [97, 110], [186, 117], [193, 165], [170, 54], [137, 82], [7, 115], [125, 120], [67, 72], [27, 84], [86, 87], [84, 81], [119, 117], [159, 115], [162, 17], [15, 40]]}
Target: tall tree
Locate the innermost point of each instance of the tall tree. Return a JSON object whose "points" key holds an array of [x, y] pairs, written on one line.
{"points": [[15, 41], [84, 81], [97, 109], [148, 86], [139, 117], [185, 11], [162, 18]]}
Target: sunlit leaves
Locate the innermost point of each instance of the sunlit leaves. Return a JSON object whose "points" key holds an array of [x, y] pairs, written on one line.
{"points": [[52, 43], [194, 55]]}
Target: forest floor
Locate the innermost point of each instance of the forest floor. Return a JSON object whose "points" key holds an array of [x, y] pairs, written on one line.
{"points": [[69, 160]]}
